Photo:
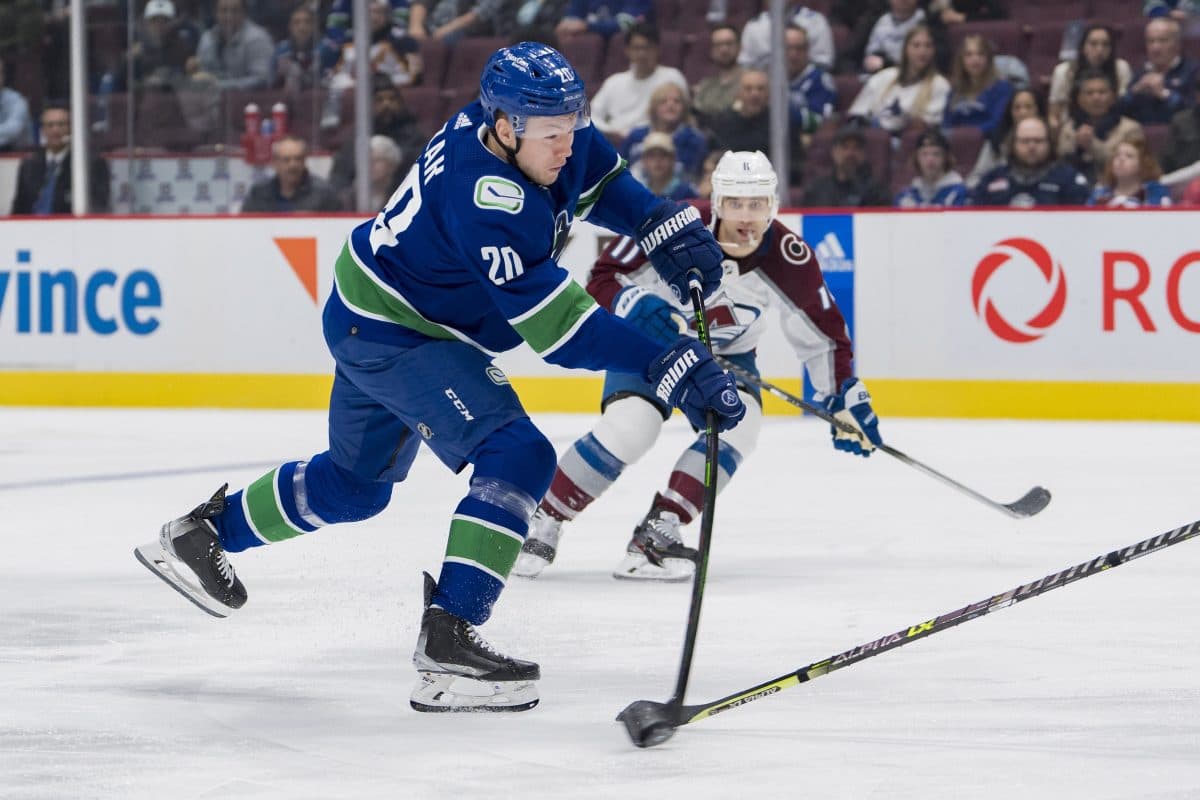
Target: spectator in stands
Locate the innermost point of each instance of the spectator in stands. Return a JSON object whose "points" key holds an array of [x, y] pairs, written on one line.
{"points": [[704, 185], [385, 174], [161, 47], [656, 169], [746, 126], [44, 178], [1096, 51], [390, 117], [293, 189], [1183, 141], [860, 17], [393, 52], [978, 95], [450, 20], [1095, 124], [1033, 177], [812, 95], [952, 12], [1191, 195], [235, 52], [889, 36], [669, 114], [16, 126], [851, 184], [756, 36], [997, 148], [1130, 178], [716, 93], [937, 183], [341, 16], [1178, 10], [623, 101], [1162, 87], [913, 93], [604, 17], [297, 63]]}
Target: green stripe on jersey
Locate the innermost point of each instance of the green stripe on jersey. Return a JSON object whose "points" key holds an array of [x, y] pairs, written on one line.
{"points": [[554, 320], [484, 544], [588, 199], [365, 296], [264, 511]]}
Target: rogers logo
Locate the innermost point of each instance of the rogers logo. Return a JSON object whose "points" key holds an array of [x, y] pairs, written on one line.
{"points": [[1020, 252]]}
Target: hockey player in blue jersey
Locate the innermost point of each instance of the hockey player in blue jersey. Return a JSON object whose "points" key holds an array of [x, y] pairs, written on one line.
{"points": [[461, 265]]}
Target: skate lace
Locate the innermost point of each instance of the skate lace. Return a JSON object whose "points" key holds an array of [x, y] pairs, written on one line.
{"points": [[224, 567], [666, 527], [474, 637]]}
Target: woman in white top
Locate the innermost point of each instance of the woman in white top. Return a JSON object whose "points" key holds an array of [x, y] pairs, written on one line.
{"points": [[1095, 52], [913, 92]]}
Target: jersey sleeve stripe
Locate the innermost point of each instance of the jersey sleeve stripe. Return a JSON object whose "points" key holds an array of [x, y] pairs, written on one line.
{"points": [[551, 323], [366, 295], [587, 200]]}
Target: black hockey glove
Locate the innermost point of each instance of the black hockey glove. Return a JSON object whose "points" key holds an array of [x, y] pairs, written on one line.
{"points": [[687, 377], [681, 248]]}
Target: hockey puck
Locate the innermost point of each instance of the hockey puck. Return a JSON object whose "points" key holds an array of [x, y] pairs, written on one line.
{"points": [[648, 723]]}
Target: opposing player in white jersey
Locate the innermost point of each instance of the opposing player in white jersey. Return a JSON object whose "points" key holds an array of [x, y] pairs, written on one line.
{"points": [[461, 264], [765, 263]]}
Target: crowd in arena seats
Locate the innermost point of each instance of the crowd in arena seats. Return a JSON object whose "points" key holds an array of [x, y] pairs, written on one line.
{"points": [[913, 103]]}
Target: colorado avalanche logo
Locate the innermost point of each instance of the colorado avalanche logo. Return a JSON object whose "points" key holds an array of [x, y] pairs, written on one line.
{"points": [[727, 320], [562, 232], [794, 249]]}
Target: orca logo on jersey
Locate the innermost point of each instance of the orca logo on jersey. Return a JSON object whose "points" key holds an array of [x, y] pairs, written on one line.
{"points": [[492, 192], [1022, 252], [562, 231]]}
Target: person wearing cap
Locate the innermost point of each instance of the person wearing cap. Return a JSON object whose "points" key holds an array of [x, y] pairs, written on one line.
{"points": [[656, 168], [937, 183], [851, 183], [162, 45]]}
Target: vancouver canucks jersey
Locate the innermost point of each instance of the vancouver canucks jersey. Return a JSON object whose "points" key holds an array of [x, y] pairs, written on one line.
{"points": [[783, 270], [466, 248]]}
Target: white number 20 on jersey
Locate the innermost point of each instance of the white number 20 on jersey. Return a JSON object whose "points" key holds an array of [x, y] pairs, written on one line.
{"points": [[504, 263]]}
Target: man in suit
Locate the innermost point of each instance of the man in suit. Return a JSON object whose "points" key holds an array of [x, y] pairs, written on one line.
{"points": [[44, 178]]}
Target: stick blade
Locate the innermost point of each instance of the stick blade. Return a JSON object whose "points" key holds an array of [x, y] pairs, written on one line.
{"points": [[648, 723], [1032, 503]]}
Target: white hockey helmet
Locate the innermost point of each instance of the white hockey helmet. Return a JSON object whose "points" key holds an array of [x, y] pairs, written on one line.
{"points": [[744, 174]]}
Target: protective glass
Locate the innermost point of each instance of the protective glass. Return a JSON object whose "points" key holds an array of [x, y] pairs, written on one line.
{"points": [[547, 127], [749, 209]]}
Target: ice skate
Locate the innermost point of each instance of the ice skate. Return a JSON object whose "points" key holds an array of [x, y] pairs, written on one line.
{"points": [[656, 552], [189, 557], [459, 670], [541, 545]]}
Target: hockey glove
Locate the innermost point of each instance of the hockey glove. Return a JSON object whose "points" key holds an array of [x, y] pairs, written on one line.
{"points": [[687, 377], [853, 407], [650, 313], [679, 246]]}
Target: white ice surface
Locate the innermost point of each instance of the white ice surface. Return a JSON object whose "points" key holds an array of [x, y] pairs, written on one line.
{"points": [[112, 686]]}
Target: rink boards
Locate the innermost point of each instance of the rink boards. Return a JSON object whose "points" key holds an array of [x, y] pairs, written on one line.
{"points": [[1032, 314]]}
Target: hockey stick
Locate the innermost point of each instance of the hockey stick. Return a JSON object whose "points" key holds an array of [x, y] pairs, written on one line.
{"points": [[695, 713], [647, 722], [1027, 505]]}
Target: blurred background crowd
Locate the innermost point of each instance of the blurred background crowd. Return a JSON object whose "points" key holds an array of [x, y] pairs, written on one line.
{"points": [[200, 106]]}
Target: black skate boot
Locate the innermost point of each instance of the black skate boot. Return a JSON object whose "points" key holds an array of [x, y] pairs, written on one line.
{"points": [[189, 557], [460, 671], [656, 552], [540, 547]]}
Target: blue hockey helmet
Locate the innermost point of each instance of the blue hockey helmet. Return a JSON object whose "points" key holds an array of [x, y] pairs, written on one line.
{"points": [[532, 80]]}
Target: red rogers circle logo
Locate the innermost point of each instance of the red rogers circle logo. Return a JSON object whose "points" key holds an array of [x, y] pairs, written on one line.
{"points": [[1056, 285]]}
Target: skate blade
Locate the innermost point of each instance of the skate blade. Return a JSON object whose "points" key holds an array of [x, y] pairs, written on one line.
{"points": [[529, 566], [155, 559], [636, 567], [438, 692]]}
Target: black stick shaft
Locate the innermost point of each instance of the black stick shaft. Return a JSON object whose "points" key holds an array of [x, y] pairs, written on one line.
{"points": [[706, 520], [862, 652]]}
